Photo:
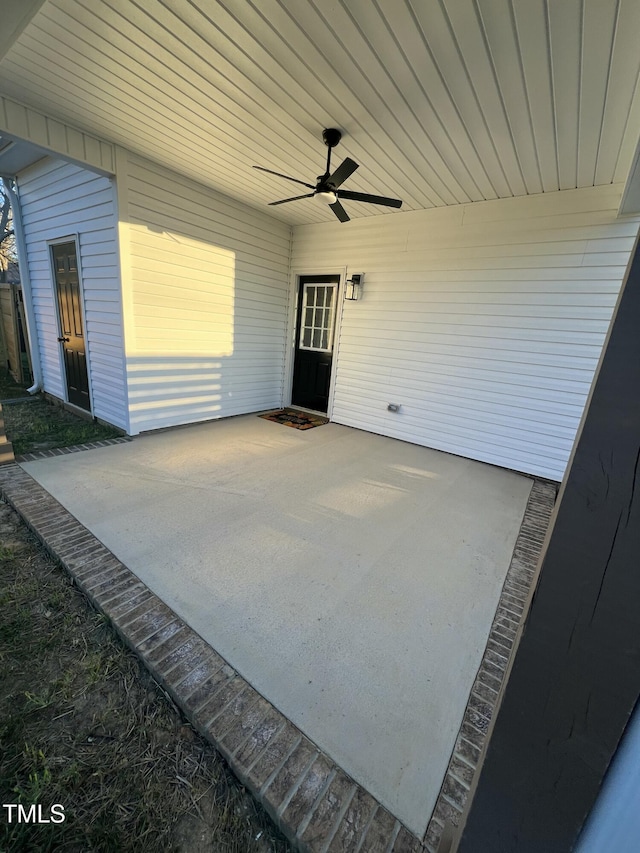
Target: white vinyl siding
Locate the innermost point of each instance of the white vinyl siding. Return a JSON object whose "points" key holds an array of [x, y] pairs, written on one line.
{"points": [[484, 322], [206, 295], [62, 200]]}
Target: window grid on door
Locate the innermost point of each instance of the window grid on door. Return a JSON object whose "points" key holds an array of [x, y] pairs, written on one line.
{"points": [[316, 329]]}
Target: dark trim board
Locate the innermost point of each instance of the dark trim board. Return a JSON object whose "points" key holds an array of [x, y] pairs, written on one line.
{"points": [[576, 674]]}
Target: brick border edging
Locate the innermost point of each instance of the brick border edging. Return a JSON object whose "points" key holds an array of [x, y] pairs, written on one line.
{"points": [[74, 448], [485, 693], [314, 803]]}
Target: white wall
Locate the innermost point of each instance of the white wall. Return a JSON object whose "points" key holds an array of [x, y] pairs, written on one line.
{"points": [[206, 292], [62, 200], [484, 321]]}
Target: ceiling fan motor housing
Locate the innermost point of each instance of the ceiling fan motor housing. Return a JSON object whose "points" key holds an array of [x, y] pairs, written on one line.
{"points": [[331, 136]]}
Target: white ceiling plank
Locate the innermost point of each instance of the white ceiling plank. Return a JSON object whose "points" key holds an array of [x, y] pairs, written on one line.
{"points": [[409, 124], [136, 133], [565, 29], [464, 86], [598, 29], [306, 58], [211, 147], [195, 69], [415, 74], [127, 78], [481, 73], [220, 43], [361, 147], [625, 67], [499, 26], [217, 162], [531, 26], [368, 85], [434, 23], [16, 15], [443, 102]]}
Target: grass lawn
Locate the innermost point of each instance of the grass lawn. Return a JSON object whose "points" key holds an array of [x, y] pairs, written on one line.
{"points": [[39, 425], [9, 389], [83, 725], [36, 424]]}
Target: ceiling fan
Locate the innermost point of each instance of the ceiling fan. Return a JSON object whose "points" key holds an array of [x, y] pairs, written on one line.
{"points": [[327, 187]]}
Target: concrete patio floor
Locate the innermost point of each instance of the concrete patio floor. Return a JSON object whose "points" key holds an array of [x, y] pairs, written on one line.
{"points": [[350, 578]]}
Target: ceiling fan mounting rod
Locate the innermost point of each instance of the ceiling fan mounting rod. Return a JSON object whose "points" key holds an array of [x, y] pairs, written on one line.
{"points": [[331, 136]]}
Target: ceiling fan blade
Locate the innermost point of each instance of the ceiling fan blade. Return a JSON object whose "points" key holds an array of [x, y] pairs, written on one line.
{"points": [[287, 177], [295, 198], [346, 168], [372, 199], [339, 211]]}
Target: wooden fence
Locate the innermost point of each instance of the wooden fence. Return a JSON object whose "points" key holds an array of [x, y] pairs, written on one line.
{"points": [[13, 332]]}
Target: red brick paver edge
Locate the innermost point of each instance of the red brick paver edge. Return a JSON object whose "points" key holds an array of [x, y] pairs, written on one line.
{"points": [[315, 804]]}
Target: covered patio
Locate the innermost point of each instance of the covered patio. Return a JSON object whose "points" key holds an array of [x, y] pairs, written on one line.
{"points": [[351, 579]]}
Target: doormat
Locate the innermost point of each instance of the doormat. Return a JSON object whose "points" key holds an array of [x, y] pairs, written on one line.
{"points": [[295, 419]]}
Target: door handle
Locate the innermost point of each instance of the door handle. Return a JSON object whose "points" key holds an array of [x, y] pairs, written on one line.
{"points": [[63, 340]]}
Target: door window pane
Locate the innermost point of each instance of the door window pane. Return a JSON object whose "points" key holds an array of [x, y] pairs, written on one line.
{"points": [[318, 311]]}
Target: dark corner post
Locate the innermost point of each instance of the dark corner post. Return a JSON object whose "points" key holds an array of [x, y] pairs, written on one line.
{"points": [[576, 674]]}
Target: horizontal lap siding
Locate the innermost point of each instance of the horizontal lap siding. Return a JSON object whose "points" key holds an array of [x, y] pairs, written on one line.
{"points": [[60, 200], [485, 322], [208, 301]]}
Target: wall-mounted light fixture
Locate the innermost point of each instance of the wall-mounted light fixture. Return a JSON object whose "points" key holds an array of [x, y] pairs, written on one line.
{"points": [[353, 289]]}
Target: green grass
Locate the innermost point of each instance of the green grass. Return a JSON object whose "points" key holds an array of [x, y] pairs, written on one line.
{"points": [[83, 724], [9, 389], [39, 425]]}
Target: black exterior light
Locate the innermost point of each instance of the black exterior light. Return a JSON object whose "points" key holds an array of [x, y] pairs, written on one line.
{"points": [[353, 288]]}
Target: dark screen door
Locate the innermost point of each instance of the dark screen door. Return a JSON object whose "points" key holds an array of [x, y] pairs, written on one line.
{"points": [[317, 304], [65, 265]]}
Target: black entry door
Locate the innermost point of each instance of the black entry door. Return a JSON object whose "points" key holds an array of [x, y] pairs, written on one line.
{"points": [[65, 265], [317, 304]]}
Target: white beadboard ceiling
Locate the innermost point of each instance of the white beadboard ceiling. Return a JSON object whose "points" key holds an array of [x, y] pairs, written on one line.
{"points": [[441, 102]]}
